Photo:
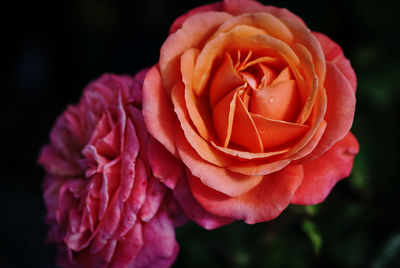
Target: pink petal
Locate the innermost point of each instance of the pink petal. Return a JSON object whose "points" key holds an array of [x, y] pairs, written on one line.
{"points": [[163, 164]]}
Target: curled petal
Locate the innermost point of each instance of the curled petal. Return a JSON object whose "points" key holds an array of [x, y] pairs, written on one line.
{"points": [[334, 54], [340, 109], [218, 178], [193, 210], [157, 111], [194, 31], [263, 203]]}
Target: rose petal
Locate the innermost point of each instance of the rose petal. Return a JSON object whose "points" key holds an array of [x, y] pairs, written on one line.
{"points": [[193, 210], [244, 130], [181, 19], [223, 115], [321, 174], [275, 133], [163, 165], [218, 178], [198, 107], [224, 81], [278, 101], [263, 203], [195, 30], [340, 109], [157, 111], [213, 50], [202, 147], [128, 248], [237, 7], [158, 241], [334, 54], [269, 23]]}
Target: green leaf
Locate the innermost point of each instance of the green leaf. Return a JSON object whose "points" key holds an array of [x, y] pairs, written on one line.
{"points": [[314, 236]]}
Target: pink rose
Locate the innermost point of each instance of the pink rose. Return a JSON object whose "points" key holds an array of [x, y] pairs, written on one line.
{"points": [[256, 106], [106, 204]]}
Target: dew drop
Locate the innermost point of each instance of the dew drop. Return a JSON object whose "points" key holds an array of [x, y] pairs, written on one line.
{"points": [[271, 99]]}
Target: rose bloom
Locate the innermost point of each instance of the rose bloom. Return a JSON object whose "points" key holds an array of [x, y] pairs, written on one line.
{"points": [[256, 106], [106, 204]]}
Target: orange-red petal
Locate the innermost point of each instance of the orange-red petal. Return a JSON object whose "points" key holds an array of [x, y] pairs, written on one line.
{"points": [[263, 203], [321, 174], [276, 133], [157, 110], [203, 148], [340, 110], [217, 178]]}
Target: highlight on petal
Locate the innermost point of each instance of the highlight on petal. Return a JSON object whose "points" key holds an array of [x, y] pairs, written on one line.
{"points": [[321, 174], [263, 203]]}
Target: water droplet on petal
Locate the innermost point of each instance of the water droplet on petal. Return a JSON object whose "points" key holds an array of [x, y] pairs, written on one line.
{"points": [[271, 99]]}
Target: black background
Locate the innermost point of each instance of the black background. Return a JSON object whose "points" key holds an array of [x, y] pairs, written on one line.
{"points": [[51, 50]]}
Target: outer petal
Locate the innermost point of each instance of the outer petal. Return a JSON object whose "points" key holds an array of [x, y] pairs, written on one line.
{"points": [[334, 53], [163, 165], [321, 174], [181, 19], [159, 241], [157, 111], [340, 110], [263, 203], [193, 209], [237, 7]]}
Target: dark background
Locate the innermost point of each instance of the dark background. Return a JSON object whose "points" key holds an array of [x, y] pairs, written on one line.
{"points": [[51, 50]]}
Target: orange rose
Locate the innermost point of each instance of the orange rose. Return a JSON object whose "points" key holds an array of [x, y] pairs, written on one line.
{"points": [[256, 106]]}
